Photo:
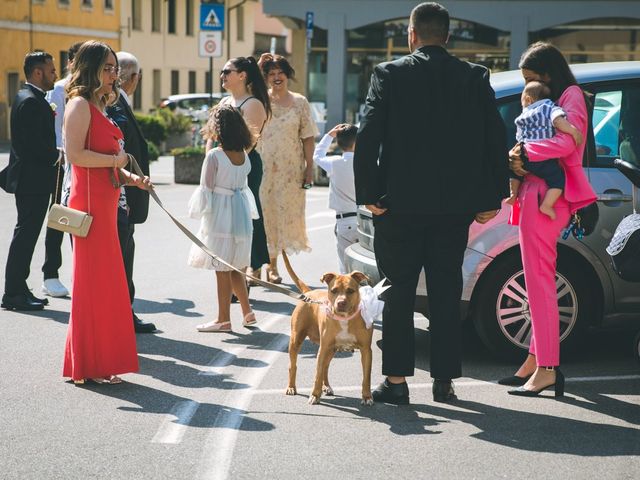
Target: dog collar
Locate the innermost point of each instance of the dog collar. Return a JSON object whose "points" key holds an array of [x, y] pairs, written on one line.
{"points": [[340, 318]]}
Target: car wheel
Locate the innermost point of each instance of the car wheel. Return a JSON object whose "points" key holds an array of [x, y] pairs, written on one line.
{"points": [[500, 309], [636, 344]]}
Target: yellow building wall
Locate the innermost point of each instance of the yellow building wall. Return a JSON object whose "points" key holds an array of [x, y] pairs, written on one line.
{"points": [[53, 28]]}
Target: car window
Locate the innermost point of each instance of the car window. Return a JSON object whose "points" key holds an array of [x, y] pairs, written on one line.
{"points": [[630, 126], [509, 109], [616, 115], [606, 125]]}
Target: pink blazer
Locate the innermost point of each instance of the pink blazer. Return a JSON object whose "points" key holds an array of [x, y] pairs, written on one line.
{"points": [[578, 191]]}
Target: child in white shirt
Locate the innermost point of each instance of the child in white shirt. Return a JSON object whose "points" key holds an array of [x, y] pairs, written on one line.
{"points": [[342, 191]]}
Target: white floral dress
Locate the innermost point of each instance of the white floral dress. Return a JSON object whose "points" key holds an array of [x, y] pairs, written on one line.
{"points": [[281, 192], [226, 207]]}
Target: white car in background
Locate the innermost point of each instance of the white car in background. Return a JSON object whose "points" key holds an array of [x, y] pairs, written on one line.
{"points": [[194, 105]]}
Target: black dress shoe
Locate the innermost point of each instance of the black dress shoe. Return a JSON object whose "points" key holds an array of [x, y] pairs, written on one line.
{"points": [[443, 391], [20, 302], [143, 327], [514, 380], [558, 387], [396, 393], [43, 301]]}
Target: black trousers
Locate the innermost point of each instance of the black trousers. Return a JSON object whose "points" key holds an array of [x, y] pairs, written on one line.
{"points": [[53, 244], [128, 249], [404, 245], [548, 170], [32, 210]]}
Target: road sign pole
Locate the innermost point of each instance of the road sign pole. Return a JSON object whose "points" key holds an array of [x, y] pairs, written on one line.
{"points": [[309, 28], [210, 81]]}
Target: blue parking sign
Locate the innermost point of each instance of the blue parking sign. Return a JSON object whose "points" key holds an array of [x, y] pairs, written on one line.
{"points": [[309, 20], [211, 17]]}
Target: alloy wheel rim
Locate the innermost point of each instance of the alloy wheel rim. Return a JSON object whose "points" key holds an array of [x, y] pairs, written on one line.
{"points": [[513, 314]]}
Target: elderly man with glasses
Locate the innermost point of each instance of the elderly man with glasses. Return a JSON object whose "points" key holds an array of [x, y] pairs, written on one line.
{"points": [[133, 207]]}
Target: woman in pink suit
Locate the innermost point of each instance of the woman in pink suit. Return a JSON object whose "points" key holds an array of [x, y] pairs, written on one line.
{"points": [[538, 232]]}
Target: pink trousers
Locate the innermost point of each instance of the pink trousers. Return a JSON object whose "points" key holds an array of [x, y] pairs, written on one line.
{"points": [[538, 238]]}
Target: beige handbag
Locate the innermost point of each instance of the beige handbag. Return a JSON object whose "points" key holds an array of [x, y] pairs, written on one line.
{"points": [[70, 220]]}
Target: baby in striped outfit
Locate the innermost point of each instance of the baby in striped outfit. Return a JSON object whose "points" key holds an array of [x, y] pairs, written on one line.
{"points": [[538, 120]]}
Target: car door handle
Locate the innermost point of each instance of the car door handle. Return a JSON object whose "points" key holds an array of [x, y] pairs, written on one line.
{"points": [[614, 197]]}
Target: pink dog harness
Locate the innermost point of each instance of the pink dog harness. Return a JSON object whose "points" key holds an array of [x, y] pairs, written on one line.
{"points": [[340, 318]]}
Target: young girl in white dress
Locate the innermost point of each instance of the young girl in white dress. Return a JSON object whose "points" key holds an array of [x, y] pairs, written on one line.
{"points": [[226, 208]]}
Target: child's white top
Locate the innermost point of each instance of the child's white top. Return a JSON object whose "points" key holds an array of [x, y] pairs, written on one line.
{"points": [[225, 206], [342, 188]]}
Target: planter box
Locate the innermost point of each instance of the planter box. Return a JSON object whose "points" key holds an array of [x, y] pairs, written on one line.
{"points": [[187, 168], [177, 141]]}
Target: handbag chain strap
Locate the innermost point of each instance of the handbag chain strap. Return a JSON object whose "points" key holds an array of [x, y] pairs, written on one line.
{"points": [[62, 158], [88, 169]]}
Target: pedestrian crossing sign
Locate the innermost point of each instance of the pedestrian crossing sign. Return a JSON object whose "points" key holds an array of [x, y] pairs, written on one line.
{"points": [[211, 17]]}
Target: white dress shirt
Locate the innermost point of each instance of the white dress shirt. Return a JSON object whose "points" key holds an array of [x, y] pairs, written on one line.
{"points": [[342, 190], [58, 96]]}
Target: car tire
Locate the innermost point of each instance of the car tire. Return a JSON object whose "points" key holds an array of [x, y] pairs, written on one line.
{"points": [[500, 312], [636, 345]]}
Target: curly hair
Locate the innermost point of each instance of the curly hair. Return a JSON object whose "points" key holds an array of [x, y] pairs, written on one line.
{"points": [[86, 73], [227, 126], [268, 62]]}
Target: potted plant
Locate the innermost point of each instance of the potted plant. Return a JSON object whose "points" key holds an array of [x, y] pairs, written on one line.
{"points": [[187, 164], [178, 129]]}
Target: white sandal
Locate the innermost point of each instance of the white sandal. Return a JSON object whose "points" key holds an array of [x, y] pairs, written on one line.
{"points": [[249, 320], [214, 327]]}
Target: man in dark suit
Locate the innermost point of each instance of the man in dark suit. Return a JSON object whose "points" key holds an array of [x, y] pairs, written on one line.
{"points": [[136, 208], [430, 158], [30, 175]]}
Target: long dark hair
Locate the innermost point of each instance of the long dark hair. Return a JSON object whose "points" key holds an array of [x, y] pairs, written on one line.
{"points": [[229, 128], [545, 59], [255, 82]]}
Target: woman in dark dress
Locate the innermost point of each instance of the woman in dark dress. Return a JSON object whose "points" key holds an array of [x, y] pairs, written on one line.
{"points": [[242, 78]]}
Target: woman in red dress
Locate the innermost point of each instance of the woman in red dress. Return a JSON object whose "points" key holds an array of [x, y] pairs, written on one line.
{"points": [[100, 341]]}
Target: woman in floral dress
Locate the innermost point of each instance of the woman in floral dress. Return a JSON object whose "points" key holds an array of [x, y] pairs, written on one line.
{"points": [[286, 148]]}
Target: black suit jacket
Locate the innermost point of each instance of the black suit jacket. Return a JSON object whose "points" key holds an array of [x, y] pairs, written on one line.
{"points": [[431, 140], [136, 145], [32, 161]]}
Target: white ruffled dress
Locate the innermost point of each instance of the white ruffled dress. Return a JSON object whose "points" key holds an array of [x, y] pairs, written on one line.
{"points": [[226, 207]]}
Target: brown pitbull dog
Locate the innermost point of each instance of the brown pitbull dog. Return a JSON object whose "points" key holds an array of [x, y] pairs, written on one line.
{"points": [[336, 324]]}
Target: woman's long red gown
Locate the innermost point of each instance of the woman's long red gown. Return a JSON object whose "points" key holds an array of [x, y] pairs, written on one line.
{"points": [[101, 339]]}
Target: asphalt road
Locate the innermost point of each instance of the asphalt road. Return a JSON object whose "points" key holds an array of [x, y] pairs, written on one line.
{"points": [[213, 405]]}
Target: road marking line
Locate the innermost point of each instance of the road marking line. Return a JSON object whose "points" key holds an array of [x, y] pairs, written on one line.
{"points": [[468, 383], [172, 429], [220, 443], [220, 360], [603, 378]]}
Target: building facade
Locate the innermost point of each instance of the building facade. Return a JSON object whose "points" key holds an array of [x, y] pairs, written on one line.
{"points": [[164, 36], [351, 36], [52, 26]]}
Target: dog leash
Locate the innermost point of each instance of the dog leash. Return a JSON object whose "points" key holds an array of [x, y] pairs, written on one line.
{"points": [[205, 249]]}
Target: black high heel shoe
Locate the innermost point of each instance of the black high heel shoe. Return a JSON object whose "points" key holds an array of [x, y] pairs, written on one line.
{"points": [[558, 387], [514, 380]]}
